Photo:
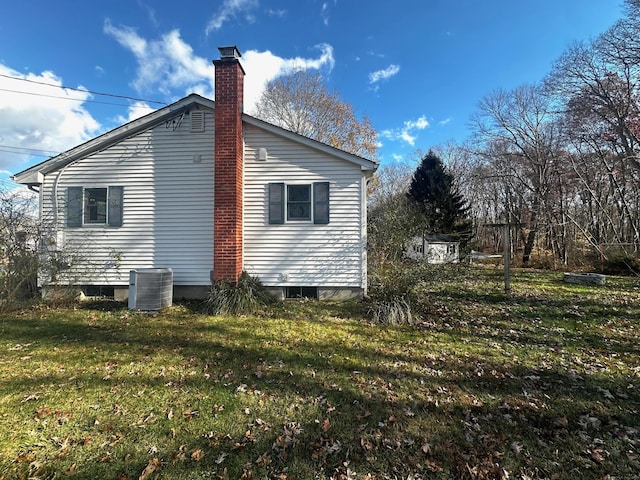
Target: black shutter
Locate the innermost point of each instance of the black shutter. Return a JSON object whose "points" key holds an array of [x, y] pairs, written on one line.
{"points": [[276, 203], [74, 206], [114, 206], [321, 202]]}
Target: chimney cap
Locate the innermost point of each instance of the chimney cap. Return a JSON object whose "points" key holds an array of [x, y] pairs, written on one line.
{"points": [[229, 52]]}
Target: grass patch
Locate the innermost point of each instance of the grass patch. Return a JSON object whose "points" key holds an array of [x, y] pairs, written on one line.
{"points": [[540, 384]]}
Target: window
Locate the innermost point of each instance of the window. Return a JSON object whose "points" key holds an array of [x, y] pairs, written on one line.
{"points": [[301, 292], [300, 202], [94, 206]]}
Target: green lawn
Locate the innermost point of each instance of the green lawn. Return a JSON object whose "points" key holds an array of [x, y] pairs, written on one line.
{"points": [[543, 384]]}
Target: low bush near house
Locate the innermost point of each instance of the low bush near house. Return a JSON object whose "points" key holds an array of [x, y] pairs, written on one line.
{"points": [[399, 290], [246, 297]]}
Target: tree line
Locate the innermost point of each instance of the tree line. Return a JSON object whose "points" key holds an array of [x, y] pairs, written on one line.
{"points": [[558, 161]]}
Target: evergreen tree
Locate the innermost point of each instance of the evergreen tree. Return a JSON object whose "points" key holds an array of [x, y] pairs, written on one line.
{"points": [[433, 192]]}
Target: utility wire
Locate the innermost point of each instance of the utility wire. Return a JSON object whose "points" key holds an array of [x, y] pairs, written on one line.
{"points": [[82, 90], [26, 153], [63, 98], [31, 149]]}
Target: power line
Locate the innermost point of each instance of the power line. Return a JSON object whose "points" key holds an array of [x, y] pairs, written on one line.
{"points": [[25, 153], [63, 98], [31, 149], [84, 91]]}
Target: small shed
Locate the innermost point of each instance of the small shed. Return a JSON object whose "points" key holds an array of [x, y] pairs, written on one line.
{"points": [[434, 248]]}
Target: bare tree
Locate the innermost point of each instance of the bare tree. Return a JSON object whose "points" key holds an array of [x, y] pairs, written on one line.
{"points": [[520, 141], [596, 84], [563, 160], [392, 219], [19, 243], [300, 102]]}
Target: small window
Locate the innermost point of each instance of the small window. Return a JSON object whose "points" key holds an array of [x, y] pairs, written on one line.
{"points": [[95, 205], [97, 291], [302, 292], [298, 202]]}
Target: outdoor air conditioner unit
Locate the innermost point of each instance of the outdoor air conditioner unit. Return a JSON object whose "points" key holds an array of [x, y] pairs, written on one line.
{"points": [[150, 289]]}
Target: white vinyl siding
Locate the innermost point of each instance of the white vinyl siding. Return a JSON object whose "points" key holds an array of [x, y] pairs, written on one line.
{"points": [[166, 174], [167, 180], [302, 253]]}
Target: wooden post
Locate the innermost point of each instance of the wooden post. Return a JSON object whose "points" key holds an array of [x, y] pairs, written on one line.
{"points": [[507, 258], [506, 253]]}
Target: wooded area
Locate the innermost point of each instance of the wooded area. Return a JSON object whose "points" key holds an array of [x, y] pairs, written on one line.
{"points": [[559, 160]]}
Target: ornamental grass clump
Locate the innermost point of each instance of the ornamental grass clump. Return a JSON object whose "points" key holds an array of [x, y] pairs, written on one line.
{"points": [[245, 297], [392, 295]]}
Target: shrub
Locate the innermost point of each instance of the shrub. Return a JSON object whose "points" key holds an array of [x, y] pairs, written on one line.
{"points": [[396, 310], [245, 297], [399, 292], [392, 293], [620, 265]]}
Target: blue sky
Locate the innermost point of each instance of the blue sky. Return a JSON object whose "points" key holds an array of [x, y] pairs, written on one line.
{"points": [[416, 68]]}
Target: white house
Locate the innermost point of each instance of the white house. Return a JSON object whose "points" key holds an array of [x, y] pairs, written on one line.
{"points": [[434, 249], [208, 191]]}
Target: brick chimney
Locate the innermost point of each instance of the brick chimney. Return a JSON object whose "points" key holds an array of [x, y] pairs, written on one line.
{"points": [[228, 157]]}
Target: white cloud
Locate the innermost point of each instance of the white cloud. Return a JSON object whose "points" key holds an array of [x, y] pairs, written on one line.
{"points": [[324, 60], [261, 67], [229, 10], [168, 64], [281, 13], [165, 64], [385, 74], [324, 13], [419, 124], [35, 119], [407, 137], [444, 122], [135, 111], [407, 133]]}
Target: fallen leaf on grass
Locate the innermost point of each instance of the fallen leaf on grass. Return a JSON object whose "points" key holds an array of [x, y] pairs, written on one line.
{"points": [[433, 466], [72, 470], [197, 455], [153, 466], [326, 425], [263, 460], [221, 458], [31, 397], [25, 457], [189, 414], [596, 454]]}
